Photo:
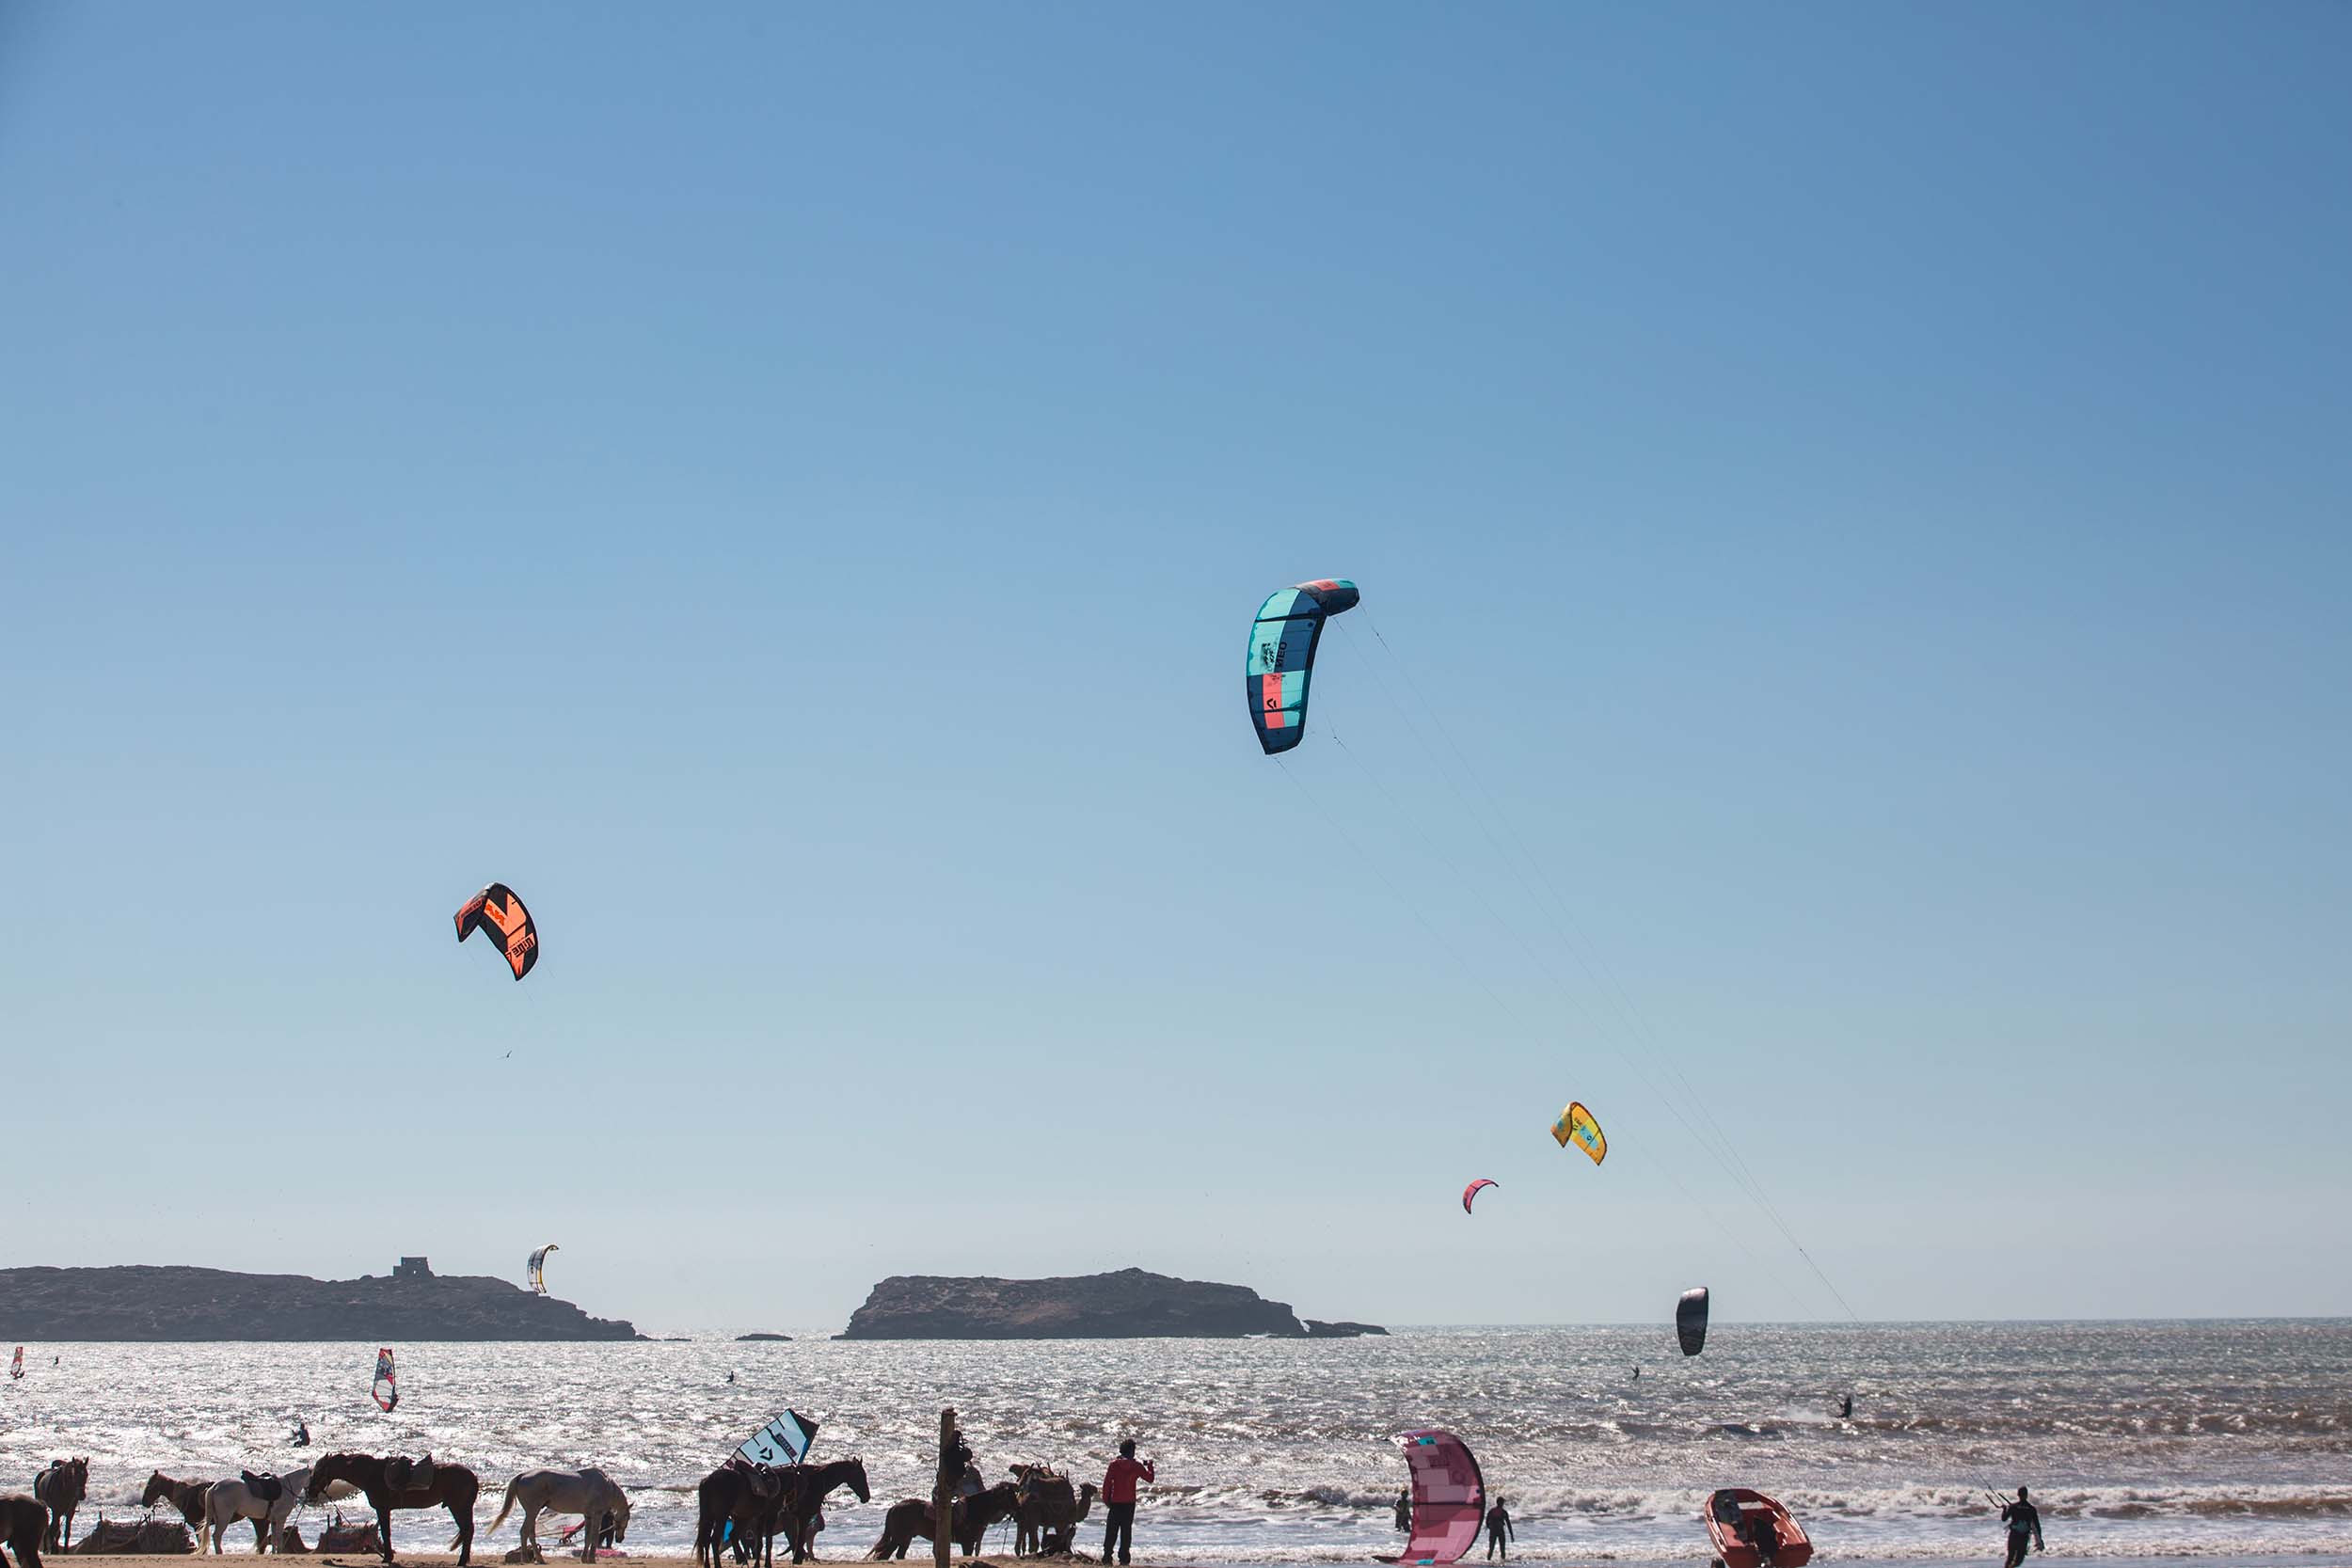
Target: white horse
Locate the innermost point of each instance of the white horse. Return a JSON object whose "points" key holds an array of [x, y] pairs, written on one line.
{"points": [[588, 1493], [231, 1500]]}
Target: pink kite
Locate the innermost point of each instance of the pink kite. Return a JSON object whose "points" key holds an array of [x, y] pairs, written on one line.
{"points": [[1471, 1191], [1448, 1498]]}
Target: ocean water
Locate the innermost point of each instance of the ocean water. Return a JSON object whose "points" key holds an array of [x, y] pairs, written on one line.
{"points": [[2140, 1440]]}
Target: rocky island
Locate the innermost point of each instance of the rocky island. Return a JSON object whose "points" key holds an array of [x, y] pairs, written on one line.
{"points": [[1130, 1304], [146, 1303]]}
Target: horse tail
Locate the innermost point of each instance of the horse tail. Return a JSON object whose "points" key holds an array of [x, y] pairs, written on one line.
{"points": [[503, 1508]]}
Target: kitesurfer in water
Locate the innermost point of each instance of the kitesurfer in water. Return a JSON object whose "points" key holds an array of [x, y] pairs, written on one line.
{"points": [[2025, 1528], [1118, 1499], [301, 1433], [1405, 1508], [1498, 1531], [1637, 1373], [1845, 1411]]}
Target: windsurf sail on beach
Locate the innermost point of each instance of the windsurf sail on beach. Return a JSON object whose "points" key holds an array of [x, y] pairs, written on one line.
{"points": [[1690, 1321], [385, 1388], [1473, 1190], [538, 1268], [1449, 1498], [497, 908], [1575, 1124], [1281, 656], [16, 1363], [784, 1440]]}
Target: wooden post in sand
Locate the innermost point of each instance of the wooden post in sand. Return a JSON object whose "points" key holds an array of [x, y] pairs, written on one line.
{"points": [[944, 1489]]}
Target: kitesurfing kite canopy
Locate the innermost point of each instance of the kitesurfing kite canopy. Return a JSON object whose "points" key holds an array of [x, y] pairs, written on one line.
{"points": [[1577, 1122], [784, 1440], [1449, 1498], [497, 907], [1471, 1191], [1283, 654], [538, 1267], [1690, 1321], [385, 1388]]}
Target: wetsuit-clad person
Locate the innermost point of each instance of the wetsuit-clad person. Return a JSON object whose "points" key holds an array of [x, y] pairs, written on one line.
{"points": [[2025, 1527], [1845, 1412], [302, 1435], [1118, 1499], [1498, 1531], [1405, 1508]]}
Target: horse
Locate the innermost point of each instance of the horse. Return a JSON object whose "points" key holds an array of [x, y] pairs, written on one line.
{"points": [[588, 1493], [23, 1521], [1049, 1511], [185, 1496], [395, 1482], [969, 1520], [228, 1501], [746, 1496], [806, 1489], [61, 1488]]}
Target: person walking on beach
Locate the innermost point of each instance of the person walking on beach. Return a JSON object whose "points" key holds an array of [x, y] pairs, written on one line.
{"points": [[1118, 1499], [1405, 1508], [1499, 1531], [2025, 1528]]}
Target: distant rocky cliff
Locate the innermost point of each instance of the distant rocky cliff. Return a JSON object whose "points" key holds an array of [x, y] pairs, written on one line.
{"points": [[1128, 1304], [147, 1303]]}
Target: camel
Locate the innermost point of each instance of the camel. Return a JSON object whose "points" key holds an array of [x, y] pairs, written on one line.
{"points": [[401, 1483], [187, 1497], [588, 1493], [61, 1488], [23, 1521], [970, 1520], [1050, 1513]]}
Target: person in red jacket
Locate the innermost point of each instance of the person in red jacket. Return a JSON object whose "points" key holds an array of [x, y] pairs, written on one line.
{"points": [[1118, 1499]]}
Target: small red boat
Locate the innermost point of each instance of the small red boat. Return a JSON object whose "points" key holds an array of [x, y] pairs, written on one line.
{"points": [[1751, 1530]]}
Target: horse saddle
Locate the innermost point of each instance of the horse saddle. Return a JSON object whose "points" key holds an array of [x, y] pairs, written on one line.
{"points": [[408, 1474], [265, 1489]]}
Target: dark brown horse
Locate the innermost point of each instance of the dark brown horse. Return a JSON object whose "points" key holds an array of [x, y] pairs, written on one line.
{"points": [[22, 1522], [397, 1482], [185, 1496], [747, 1496], [805, 1488], [970, 1520], [61, 1488]]}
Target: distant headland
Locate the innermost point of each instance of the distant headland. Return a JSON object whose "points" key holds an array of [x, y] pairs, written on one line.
{"points": [[1130, 1304], [147, 1303]]}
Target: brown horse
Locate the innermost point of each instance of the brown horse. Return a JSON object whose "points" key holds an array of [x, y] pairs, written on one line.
{"points": [[185, 1496], [970, 1520], [22, 1522], [397, 1482], [805, 1488], [745, 1496], [61, 1488]]}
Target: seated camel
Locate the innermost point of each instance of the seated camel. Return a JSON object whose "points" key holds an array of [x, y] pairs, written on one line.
{"points": [[970, 1521], [1047, 1518]]}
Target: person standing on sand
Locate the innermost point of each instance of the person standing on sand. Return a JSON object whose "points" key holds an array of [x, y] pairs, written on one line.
{"points": [[1498, 1531], [2025, 1526], [1118, 1499]]}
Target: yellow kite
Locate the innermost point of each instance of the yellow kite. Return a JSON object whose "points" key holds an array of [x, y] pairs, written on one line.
{"points": [[1578, 1123]]}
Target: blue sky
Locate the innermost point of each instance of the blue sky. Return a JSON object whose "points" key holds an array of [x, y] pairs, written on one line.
{"points": [[1864, 488]]}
